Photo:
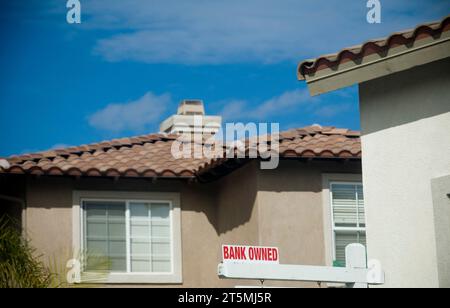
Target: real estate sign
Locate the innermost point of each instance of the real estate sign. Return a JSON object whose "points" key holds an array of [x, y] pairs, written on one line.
{"points": [[250, 254]]}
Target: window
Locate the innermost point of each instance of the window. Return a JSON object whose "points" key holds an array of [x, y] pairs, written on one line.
{"points": [[139, 238], [348, 216], [134, 236], [150, 237], [105, 235]]}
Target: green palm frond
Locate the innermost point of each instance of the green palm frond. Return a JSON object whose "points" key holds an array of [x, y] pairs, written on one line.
{"points": [[19, 265]]}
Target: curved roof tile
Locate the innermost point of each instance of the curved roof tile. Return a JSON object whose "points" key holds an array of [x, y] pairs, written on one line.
{"points": [[309, 67], [150, 156]]}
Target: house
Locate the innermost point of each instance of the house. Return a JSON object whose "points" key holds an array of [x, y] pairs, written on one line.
{"points": [[404, 89], [161, 221]]}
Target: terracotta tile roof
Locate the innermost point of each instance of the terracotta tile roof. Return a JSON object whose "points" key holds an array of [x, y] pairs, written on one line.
{"points": [[150, 156], [313, 142], [355, 53], [143, 156], [320, 142]]}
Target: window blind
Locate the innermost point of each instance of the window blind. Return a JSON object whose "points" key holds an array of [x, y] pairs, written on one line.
{"points": [[133, 236], [105, 234], [348, 205], [150, 237], [347, 200]]}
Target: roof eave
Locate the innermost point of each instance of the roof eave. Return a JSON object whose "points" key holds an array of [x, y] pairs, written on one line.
{"points": [[377, 65]]}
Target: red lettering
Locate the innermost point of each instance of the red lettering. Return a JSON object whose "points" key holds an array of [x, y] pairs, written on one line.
{"points": [[275, 255], [231, 253], [234, 253], [258, 254], [250, 253], [243, 256], [264, 254]]}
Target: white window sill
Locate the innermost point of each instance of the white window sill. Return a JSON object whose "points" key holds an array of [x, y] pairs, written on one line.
{"points": [[135, 278]]}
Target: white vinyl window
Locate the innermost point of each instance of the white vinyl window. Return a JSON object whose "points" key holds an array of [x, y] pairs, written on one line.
{"points": [[135, 236], [348, 217]]}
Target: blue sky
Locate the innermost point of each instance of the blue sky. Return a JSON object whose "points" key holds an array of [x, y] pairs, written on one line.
{"points": [[128, 64]]}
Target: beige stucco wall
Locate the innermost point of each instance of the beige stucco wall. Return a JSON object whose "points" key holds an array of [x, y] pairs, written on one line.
{"points": [[280, 208], [291, 212], [405, 120], [237, 212], [291, 205]]}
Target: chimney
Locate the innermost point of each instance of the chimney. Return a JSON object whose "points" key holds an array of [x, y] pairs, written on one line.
{"points": [[191, 118], [191, 107]]}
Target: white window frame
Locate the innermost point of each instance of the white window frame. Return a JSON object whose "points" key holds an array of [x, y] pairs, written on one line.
{"points": [[343, 229], [328, 218], [172, 199]]}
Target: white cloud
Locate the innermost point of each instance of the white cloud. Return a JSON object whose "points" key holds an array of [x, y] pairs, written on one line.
{"points": [[266, 31], [281, 104], [332, 110], [232, 108], [298, 101], [133, 116]]}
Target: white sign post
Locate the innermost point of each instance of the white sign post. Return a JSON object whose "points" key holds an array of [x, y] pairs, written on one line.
{"points": [[357, 273]]}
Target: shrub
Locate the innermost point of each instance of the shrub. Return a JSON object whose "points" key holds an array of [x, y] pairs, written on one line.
{"points": [[19, 266]]}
